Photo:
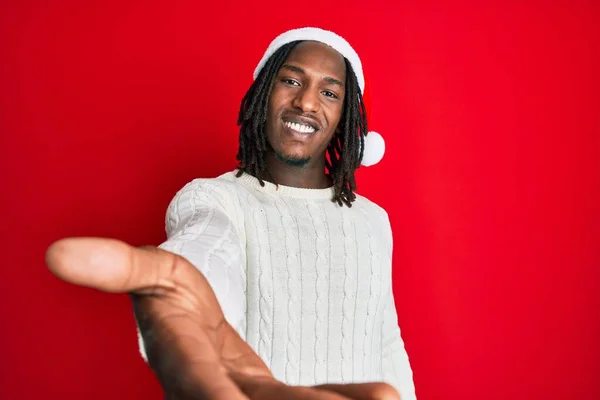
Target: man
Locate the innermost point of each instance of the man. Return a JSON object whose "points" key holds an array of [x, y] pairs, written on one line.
{"points": [[275, 279]]}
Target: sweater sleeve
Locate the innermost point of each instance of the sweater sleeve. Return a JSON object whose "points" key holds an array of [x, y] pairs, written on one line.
{"points": [[201, 228], [395, 363]]}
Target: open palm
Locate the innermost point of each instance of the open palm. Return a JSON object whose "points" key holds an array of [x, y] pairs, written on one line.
{"points": [[190, 346]]}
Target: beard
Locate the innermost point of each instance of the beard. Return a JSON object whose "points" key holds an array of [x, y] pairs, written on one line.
{"points": [[293, 161]]}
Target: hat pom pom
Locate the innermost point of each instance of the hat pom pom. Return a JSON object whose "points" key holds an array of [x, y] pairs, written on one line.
{"points": [[374, 149]]}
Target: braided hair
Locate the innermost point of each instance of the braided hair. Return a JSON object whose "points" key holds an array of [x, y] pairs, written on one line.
{"points": [[345, 151]]}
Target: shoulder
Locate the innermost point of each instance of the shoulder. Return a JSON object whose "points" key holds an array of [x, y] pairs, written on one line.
{"points": [[211, 186], [224, 181], [370, 207], [221, 191], [377, 215], [378, 218]]}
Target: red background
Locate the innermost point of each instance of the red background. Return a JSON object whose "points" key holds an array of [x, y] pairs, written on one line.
{"points": [[491, 177]]}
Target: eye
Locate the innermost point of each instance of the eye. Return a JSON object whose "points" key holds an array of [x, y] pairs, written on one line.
{"points": [[289, 81], [327, 93]]}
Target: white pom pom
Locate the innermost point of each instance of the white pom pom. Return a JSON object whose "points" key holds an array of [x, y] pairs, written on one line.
{"points": [[374, 149]]}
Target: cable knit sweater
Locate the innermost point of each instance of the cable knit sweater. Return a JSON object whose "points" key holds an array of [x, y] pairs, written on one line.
{"points": [[305, 282]]}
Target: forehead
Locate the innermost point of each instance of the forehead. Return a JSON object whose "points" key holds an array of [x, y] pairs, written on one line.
{"points": [[318, 58]]}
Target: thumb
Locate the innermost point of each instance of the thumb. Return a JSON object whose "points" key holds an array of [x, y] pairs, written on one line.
{"points": [[111, 265]]}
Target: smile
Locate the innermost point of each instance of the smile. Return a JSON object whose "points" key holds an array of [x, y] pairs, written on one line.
{"points": [[300, 128]]}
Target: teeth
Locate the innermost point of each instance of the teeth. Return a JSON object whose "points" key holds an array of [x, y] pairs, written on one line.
{"points": [[300, 127]]}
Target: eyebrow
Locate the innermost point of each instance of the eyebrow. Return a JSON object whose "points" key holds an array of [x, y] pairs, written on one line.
{"points": [[299, 70]]}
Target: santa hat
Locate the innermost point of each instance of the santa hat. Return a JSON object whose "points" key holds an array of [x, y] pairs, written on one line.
{"points": [[374, 143]]}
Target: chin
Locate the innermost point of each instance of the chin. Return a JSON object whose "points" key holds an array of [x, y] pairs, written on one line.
{"points": [[293, 160]]}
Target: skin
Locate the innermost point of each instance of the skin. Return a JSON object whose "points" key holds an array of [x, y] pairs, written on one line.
{"points": [[192, 349]]}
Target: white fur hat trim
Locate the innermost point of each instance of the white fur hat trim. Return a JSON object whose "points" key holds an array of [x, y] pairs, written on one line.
{"points": [[329, 38]]}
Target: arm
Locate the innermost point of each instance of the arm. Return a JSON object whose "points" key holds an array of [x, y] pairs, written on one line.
{"points": [[194, 352], [201, 230], [395, 362]]}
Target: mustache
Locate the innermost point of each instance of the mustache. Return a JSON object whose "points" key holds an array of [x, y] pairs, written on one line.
{"points": [[301, 115]]}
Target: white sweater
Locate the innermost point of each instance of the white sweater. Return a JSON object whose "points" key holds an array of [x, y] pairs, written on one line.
{"points": [[305, 282]]}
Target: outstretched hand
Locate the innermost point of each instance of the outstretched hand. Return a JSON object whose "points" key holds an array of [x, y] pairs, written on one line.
{"points": [[195, 353]]}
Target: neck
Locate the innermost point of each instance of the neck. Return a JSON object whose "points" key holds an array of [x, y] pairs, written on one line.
{"points": [[310, 176]]}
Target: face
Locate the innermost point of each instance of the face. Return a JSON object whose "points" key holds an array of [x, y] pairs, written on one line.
{"points": [[306, 104]]}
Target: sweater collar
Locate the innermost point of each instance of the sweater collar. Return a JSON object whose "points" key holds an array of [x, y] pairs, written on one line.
{"points": [[281, 190]]}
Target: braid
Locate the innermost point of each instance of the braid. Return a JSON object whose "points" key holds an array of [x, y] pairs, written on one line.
{"points": [[253, 116], [345, 151]]}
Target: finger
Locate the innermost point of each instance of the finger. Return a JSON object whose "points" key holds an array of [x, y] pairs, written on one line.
{"points": [[238, 357], [114, 266], [207, 381], [267, 388], [363, 391]]}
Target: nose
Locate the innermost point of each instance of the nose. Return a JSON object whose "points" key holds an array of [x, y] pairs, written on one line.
{"points": [[307, 100]]}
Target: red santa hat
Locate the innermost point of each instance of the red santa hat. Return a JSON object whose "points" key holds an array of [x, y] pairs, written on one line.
{"points": [[374, 143]]}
